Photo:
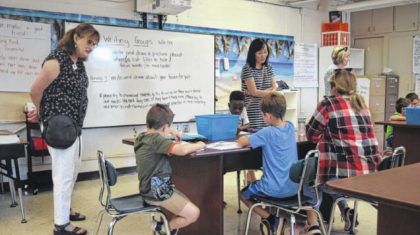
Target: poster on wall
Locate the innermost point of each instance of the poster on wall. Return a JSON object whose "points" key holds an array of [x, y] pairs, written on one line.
{"points": [[305, 65], [230, 56], [20, 60], [416, 54], [363, 88], [417, 84]]}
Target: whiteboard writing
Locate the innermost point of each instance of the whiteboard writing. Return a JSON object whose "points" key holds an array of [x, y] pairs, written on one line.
{"points": [[23, 46], [133, 69]]}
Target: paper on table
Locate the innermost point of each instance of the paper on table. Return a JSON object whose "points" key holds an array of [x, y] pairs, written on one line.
{"points": [[9, 139], [223, 145]]}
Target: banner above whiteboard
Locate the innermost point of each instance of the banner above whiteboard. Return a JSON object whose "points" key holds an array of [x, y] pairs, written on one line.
{"points": [[306, 65]]}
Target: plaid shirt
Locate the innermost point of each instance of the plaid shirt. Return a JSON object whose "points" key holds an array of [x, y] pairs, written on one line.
{"points": [[345, 139]]}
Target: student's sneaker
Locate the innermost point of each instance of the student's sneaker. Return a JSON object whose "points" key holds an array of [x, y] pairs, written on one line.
{"points": [[273, 229], [348, 216], [158, 227], [310, 230]]}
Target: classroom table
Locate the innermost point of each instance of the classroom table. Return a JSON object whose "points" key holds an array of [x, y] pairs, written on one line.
{"points": [[199, 176], [9, 152], [397, 193], [407, 136]]}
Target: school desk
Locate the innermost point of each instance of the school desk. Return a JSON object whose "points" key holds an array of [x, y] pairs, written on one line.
{"points": [[397, 193], [407, 136], [199, 176], [9, 152]]}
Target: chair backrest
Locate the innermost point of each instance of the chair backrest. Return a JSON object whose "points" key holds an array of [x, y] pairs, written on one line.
{"points": [[306, 171], [396, 160], [108, 175]]}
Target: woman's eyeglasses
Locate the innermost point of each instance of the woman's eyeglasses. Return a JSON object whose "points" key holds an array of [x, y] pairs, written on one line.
{"points": [[91, 43]]}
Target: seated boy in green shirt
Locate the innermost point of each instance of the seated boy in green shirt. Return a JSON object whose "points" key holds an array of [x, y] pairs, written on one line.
{"points": [[153, 150], [399, 115]]}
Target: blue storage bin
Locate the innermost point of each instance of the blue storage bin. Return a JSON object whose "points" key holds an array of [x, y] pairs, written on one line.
{"points": [[217, 126], [412, 115]]}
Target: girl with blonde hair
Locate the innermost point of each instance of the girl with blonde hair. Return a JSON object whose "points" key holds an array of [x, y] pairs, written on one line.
{"points": [[342, 129]]}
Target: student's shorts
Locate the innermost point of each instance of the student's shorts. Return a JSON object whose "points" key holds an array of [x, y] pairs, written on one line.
{"points": [[174, 204], [252, 190]]}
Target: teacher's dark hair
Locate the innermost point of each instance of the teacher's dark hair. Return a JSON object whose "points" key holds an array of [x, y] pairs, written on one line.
{"points": [[255, 46], [82, 30]]}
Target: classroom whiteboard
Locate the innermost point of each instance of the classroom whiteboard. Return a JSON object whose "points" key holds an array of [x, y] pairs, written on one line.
{"points": [[134, 68], [23, 47]]}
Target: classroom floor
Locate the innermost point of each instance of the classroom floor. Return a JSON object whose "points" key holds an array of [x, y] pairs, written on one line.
{"points": [[39, 212]]}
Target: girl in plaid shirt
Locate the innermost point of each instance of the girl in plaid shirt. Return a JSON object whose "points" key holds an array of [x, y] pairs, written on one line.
{"points": [[342, 129]]}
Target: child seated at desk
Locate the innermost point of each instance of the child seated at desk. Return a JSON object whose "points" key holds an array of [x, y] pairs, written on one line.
{"points": [[278, 142], [414, 99], [236, 107], [152, 150], [399, 115]]}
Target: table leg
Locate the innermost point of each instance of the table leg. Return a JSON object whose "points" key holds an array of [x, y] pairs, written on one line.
{"points": [[201, 180], [19, 186], [11, 182]]}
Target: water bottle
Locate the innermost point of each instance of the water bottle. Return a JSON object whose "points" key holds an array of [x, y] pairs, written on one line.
{"points": [[302, 124]]}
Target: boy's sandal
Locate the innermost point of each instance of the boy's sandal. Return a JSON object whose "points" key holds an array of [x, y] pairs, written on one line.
{"points": [[61, 230], [76, 217]]}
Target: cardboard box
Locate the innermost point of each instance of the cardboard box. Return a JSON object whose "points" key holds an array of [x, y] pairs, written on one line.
{"points": [[377, 117], [377, 104], [377, 85]]}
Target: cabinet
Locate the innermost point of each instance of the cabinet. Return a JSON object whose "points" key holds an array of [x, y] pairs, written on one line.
{"points": [[383, 95], [33, 130], [405, 17], [372, 21]]}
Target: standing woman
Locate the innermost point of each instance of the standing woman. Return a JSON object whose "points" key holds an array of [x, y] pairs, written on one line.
{"points": [[342, 129], [340, 57], [61, 88], [257, 81]]}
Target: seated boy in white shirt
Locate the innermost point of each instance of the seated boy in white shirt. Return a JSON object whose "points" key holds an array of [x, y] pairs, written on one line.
{"points": [[237, 107]]}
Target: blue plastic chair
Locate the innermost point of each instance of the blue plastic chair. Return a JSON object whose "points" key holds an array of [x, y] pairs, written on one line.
{"points": [[120, 207], [303, 172]]}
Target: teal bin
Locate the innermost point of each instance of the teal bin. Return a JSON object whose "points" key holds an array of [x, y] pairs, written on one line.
{"points": [[217, 126], [412, 115]]}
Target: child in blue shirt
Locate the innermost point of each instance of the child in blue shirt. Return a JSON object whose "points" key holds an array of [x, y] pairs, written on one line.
{"points": [[278, 142]]}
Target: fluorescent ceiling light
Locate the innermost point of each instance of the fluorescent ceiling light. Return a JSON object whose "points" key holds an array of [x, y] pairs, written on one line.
{"points": [[373, 4]]}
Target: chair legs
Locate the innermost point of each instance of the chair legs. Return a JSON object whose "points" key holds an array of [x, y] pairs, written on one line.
{"points": [[356, 202], [112, 224], [99, 222], [353, 223], [292, 224], [238, 176], [248, 217]]}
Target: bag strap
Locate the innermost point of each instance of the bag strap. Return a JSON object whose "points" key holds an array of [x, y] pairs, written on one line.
{"points": [[262, 81]]}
